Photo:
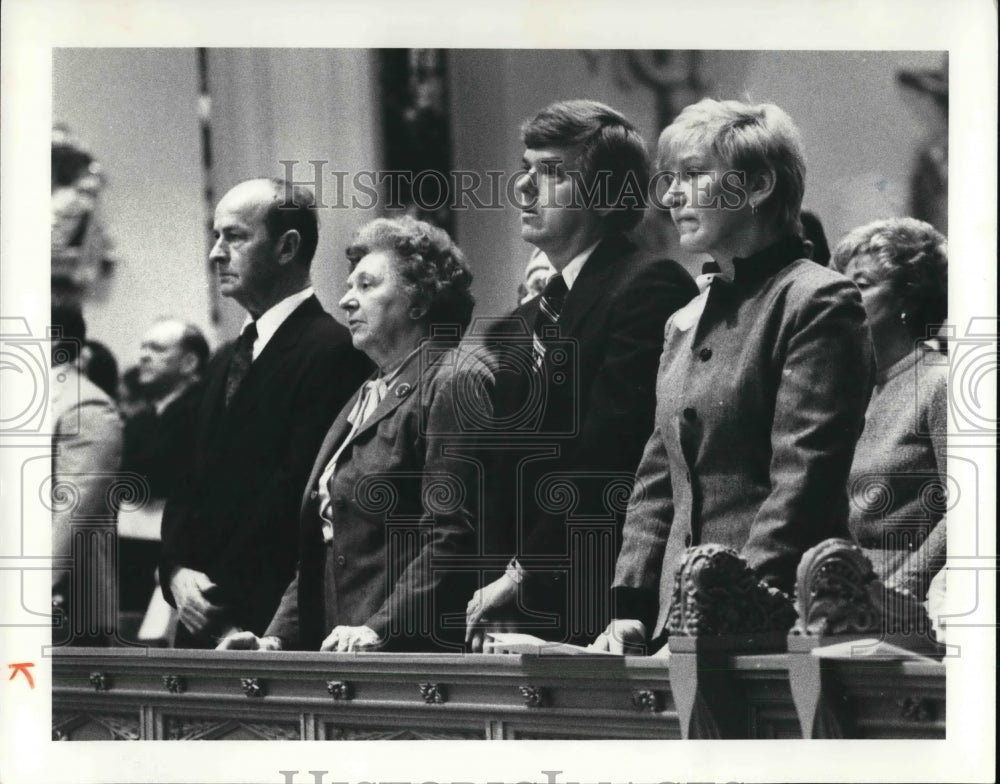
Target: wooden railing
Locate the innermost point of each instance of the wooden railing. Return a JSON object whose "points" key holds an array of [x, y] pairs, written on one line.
{"points": [[167, 694], [738, 668]]}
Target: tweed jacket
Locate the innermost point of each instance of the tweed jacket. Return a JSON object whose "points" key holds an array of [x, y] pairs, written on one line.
{"points": [[406, 506], [761, 394]]}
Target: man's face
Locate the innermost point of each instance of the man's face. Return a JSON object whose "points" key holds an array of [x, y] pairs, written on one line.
{"points": [[553, 217], [163, 364], [244, 254]]}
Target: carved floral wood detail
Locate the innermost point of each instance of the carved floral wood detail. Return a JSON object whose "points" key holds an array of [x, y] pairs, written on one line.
{"points": [[647, 700], [837, 592], [917, 709], [174, 684], [252, 687], [716, 593], [364, 733], [535, 696], [434, 693], [177, 728], [340, 690], [118, 726]]}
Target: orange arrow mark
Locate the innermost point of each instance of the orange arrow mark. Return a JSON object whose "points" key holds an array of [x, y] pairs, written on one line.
{"points": [[22, 667]]}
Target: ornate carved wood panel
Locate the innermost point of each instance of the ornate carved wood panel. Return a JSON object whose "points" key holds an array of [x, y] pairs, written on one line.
{"points": [[187, 695]]}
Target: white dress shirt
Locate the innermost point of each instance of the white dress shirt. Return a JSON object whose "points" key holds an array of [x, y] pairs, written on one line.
{"points": [[572, 270], [274, 317]]}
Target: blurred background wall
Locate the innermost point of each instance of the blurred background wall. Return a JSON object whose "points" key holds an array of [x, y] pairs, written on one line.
{"points": [[139, 110]]}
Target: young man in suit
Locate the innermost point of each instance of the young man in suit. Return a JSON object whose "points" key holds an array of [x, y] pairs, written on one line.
{"points": [[229, 535], [576, 372]]}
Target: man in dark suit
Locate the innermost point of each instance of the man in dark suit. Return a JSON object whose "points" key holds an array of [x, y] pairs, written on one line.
{"points": [[576, 372], [158, 442], [229, 535], [159, 439]]}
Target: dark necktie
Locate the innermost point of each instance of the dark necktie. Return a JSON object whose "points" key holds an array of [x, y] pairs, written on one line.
{"points": [[550, 305], [242, 359]]}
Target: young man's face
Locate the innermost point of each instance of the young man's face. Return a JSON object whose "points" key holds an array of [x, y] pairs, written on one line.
{"points": [[553, 215]]}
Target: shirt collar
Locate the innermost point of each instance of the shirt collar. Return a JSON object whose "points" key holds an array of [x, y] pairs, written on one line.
{"points": [[274, 317], [161, 404], [572, 270]]}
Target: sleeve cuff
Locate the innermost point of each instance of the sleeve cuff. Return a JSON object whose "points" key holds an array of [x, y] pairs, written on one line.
{"points": [[515, 572], [638, 603]]}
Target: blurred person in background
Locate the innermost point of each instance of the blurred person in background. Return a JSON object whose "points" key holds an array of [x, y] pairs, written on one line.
{"points": [[87, 447], [898, 481], [160, 438], [814, 238], [100, 366]]}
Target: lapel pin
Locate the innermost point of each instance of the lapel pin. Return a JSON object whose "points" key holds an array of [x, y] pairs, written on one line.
{"points": [[403, 390]]}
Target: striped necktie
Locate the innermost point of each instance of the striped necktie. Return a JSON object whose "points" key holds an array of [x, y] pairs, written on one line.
{"points": [[550, 305], [239, 366]]}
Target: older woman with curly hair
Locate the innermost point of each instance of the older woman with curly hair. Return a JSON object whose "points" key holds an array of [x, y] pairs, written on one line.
{"points": [[389, 499], [898, 482], [763, 379]]}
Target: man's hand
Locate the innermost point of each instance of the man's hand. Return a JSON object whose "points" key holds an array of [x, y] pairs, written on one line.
{"points": [[493, 598], [351, 638], [624, 636], [194, 609], [248, 641]]}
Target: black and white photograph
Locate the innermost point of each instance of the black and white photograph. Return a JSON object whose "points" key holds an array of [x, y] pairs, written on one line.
{"points": [[585, 377]]}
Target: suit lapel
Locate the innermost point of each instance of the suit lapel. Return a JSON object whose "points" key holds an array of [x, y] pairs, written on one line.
{"points": [[589, 286], [270, 361], [404, 386], [212, 409], [338, 430]]}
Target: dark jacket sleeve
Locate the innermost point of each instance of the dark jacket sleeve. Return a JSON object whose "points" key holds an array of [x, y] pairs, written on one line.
{"points": [[619, 417], [180, 513], [285, 623]]}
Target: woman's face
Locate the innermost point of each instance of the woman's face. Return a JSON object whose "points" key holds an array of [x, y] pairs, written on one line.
{"points": [[881, 305], [378, 309], [708, 204]]}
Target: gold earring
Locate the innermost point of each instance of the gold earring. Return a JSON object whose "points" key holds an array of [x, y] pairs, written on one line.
{"points": [[753, 208], [902, 317]]}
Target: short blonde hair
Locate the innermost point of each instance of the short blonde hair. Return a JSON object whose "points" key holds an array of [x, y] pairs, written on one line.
{"points": [[913, 257], [749, 138]]}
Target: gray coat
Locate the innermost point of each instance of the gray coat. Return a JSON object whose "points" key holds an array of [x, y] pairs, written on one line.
{"points": [[761, 394]]}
